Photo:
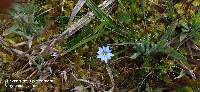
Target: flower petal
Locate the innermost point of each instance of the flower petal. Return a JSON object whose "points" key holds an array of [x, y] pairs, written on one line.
{"points": [[100, 50], [110, 54], [108, 50], [104, 48], [106, 61], [99, 56], [108, 57], [103, 58]]}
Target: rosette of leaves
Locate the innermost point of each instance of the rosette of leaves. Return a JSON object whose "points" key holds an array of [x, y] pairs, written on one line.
{"points": [[24, 23], [158, 60], [185, 38]]}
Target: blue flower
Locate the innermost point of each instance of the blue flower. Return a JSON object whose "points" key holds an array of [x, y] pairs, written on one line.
{"points": [[104, 54]]}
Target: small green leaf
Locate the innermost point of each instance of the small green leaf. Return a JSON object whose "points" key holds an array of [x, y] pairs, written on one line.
{"points": [[183, 36], [90, 38], [135, 55], [99, 13]]}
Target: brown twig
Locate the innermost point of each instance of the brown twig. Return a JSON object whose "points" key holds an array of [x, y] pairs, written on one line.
{"points": [[32, 74]]}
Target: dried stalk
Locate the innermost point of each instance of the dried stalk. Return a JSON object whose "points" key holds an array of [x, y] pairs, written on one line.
{"points": [[111, 77], [76, 9], [79, 24], [86, 81]]}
